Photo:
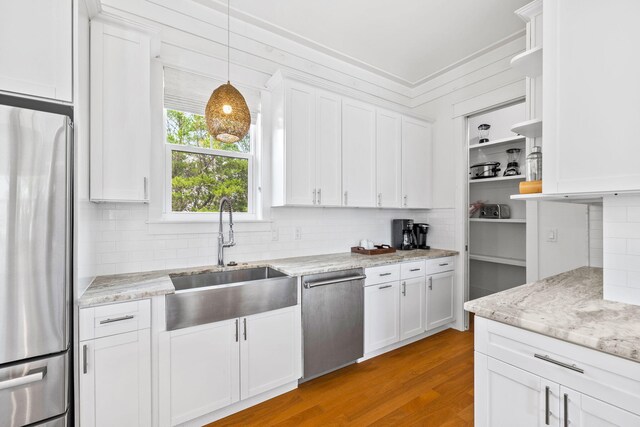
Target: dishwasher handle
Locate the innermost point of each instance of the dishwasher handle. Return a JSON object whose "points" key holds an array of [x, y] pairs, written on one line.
{"points": [[309, 285]]}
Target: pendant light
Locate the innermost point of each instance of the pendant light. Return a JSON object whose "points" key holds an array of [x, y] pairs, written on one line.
{"points": [[227, 115]]}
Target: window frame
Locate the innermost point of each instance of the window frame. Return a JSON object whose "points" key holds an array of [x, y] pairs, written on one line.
{"points": [[169, 214]]}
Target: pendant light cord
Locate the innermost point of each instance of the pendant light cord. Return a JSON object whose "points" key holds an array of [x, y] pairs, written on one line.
{"points": [[228, 41]]}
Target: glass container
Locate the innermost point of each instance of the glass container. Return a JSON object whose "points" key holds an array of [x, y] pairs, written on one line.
{"points": [[483, 133], [534, 164]]}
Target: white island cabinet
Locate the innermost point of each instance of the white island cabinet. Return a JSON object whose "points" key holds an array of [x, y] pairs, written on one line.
{"points": [[36, 48], [527, 379]]}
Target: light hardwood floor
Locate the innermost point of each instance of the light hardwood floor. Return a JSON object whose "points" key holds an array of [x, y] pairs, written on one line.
{"points": [[427, 383]]}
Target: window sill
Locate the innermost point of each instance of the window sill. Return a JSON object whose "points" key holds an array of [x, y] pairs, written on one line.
{"points": [[204, 225]]}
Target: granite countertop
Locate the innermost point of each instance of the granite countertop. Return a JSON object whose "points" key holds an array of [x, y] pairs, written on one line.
{"points": [[126, 287], [569, 307]]}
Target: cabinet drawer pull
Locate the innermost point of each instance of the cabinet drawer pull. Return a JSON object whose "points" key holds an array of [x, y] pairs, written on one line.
{"points": [[546, 406], [314, 196], [546, 358], [566, 410], [117, 319], [404, 289], [85, 362], [379, 199], [237, 329], [444, 264], [384, 287], [385, 274], [245, 328], [415, 269], [430, 283], [319, 196]]}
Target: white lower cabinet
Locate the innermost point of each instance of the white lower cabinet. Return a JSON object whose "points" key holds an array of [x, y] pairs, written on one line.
{"points": [[115, 380], [412, 307], [440, 299], [526, 379], [381, 316], [208, 367]]}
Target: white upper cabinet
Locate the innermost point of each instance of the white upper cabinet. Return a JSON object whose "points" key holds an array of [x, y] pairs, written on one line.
{"points": [[389, 159], [358, 154], [36, 48], [416, 163], [120, 113], [590, 118], [328, 149]]}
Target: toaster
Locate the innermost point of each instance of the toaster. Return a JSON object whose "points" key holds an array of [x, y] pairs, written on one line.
{"points": [[494, 211]]}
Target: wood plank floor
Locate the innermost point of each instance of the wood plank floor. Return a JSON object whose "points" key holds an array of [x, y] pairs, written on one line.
{"points": [[427, 383]]}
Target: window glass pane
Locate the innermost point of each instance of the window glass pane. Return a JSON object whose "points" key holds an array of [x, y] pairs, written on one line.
{"points": [[191, 129], [199, 181]]}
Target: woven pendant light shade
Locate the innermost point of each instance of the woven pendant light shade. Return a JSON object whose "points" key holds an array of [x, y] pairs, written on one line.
{"points": [[227, 115]]}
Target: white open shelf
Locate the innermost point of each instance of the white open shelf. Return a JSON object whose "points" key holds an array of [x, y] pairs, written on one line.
{"points": [[497, 179], [530, 128], [528, 63], [563, 198], [500, 220], [509, 140], [499, 260]]}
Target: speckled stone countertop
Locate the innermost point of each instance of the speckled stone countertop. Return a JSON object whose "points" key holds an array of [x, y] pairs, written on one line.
{"points": [[126, 287], [570, 307]]}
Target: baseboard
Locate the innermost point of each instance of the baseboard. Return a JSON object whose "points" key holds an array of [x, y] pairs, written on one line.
{"points": [[403, 343], [240, 406]]}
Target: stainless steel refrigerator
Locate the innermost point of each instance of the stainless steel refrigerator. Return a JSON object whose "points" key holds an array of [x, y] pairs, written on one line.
{"points": [[35, 229]]}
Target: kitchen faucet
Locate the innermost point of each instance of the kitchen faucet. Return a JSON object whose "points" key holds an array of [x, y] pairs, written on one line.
{"points": [[221, 242]]}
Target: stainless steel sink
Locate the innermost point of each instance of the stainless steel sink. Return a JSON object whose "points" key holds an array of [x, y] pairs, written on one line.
{"points": [[212, 297]]}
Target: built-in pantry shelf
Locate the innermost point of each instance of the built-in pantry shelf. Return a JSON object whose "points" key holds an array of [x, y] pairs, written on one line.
{"points": [[530, 128], [499, 260], [502, 141], [500, 220], [497, 179], [528, 63], [594, 199]]}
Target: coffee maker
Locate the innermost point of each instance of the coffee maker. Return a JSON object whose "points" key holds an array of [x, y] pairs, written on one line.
{"points": [[420, 230], [402, 234]]}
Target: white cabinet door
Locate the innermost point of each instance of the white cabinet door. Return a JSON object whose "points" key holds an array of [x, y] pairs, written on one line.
{"points": [[512, 396], [389, 159], [270, 350], [199, 370], [36, 48], [381, 315], [120, 113], [328, 150], [115, 380], [589, 120], [412, 307], [416, 163], [440, 299], [300, 137], [584, 411], [358, 154]]}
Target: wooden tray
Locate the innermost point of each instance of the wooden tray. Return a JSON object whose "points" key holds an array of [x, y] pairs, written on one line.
{"points": [[382, 249]]}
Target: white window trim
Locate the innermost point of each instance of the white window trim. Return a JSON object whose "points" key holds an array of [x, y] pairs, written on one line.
{"points": [[250, 215]]}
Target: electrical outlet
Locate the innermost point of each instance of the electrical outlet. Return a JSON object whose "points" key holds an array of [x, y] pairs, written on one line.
{"points": [[552, 235], [298, 233], [275, 234]]}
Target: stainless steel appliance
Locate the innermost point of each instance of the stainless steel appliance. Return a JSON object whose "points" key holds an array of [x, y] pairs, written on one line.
{"points": [[493, 211], [332, 321], [402, 234], [420, 230], [484, 170], [513, 162], [35, 257]]}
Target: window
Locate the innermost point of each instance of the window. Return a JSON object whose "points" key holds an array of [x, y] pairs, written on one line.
{"points": [[201, 170]]}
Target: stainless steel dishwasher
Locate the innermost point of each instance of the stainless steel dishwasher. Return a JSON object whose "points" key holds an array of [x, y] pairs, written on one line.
{"points": [[332, 321]]}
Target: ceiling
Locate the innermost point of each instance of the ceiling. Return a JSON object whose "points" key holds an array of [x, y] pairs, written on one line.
{"points": [[409, 41]]}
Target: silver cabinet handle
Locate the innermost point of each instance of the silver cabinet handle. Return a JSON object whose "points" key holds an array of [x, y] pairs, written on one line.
{"points": [[546, 358], [32, 376], [385, 287], [237, 329], [566, 410], [430, 283], [546, 405], [146, 188], [443, 264], [314, 196], [404, 289], [319, 196], [345, 198], [245, 328], [379, 199], [415, 269], [85, 362], [405, 200], [384, 274], [117, 319], [309, 285]]}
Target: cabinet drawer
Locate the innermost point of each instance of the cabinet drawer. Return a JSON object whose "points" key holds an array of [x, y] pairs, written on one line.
{"points": [[105, 320], [410, 270], [440, 265], [603, 376], [382, 274]]}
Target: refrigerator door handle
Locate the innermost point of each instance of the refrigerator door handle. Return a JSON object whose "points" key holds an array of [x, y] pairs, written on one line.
{"points": [[32, 376]]}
